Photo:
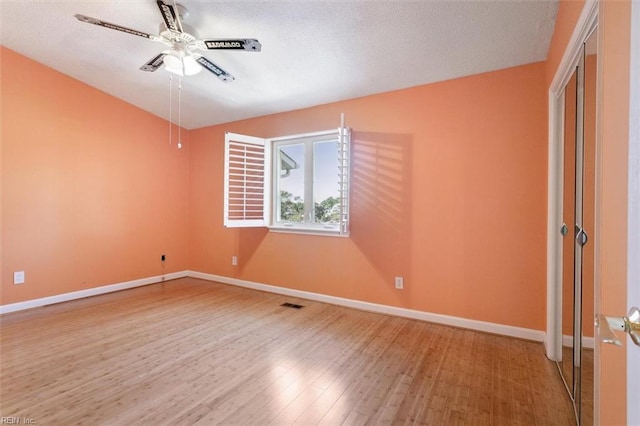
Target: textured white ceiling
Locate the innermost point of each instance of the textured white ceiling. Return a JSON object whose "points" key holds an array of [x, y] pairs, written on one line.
{"points": [[312, 52]]}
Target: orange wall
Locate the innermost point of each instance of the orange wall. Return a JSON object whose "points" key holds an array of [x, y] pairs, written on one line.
{"points": [[92, 193], [615, 25], [449, 191]]}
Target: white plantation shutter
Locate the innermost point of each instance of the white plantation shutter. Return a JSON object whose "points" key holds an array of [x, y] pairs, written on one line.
{"points": [[246, 181], [344, 171]]}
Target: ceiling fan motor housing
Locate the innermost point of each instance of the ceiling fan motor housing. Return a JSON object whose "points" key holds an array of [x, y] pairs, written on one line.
{"points": [[188, 38]]}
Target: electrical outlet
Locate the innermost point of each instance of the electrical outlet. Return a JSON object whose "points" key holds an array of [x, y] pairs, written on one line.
{"points": [[163, 257], [18, 277], [234, 260], [399, 283]]}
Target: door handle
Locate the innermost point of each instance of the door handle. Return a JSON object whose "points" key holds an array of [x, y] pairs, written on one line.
{"points": [[581, 237], [564, 229], [629, 324]]}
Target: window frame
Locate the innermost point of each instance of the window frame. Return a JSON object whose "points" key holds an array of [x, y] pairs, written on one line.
{"points": [[234, 143]]}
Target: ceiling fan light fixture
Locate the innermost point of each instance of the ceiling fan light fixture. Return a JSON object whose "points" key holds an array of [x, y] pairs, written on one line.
{"points": [[173, 62], [181, 64], [191, 66]]}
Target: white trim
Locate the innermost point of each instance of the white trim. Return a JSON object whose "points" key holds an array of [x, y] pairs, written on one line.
{"points": [[505, 330], [318, 232], [288, 138], [65, 297], [554, 218], [586, 22], [587, 342], [340, 135]]}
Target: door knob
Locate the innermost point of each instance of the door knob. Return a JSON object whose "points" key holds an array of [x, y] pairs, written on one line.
{"points": [[564, 229], [582, 237], [629, 324]]}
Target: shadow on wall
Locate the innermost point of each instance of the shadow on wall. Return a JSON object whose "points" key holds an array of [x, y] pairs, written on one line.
{"points": [[381, 201]]}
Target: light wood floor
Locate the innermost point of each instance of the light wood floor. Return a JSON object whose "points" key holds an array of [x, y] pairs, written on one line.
{"points": [[193, 352]]}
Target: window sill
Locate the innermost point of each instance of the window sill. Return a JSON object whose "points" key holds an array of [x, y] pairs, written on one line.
{"points": [[307, 231]]}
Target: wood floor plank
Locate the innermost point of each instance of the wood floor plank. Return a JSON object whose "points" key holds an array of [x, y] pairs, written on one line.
{"points": [[189, 352]]}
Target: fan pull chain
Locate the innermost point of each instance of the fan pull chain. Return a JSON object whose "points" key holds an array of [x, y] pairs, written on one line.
{"points": [[170, 106], [180, 113]]}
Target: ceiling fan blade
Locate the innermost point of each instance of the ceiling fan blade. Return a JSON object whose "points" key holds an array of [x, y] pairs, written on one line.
{"points": [[171, 18], [94, 21], [210, 66], [250, 44], [154, 63]]}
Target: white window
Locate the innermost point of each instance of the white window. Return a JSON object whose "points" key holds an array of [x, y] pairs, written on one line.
{"points": [[295, 183]]}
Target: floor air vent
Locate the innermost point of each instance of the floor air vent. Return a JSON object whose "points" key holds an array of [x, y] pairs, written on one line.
{"points": [[292, 305]]}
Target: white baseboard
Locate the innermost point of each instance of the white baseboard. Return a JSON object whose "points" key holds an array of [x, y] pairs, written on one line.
{"points": [[587, 342], [505, 330], [65, 297]]}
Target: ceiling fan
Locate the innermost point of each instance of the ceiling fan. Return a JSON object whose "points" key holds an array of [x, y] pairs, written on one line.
{"points": [[181, 58]]}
